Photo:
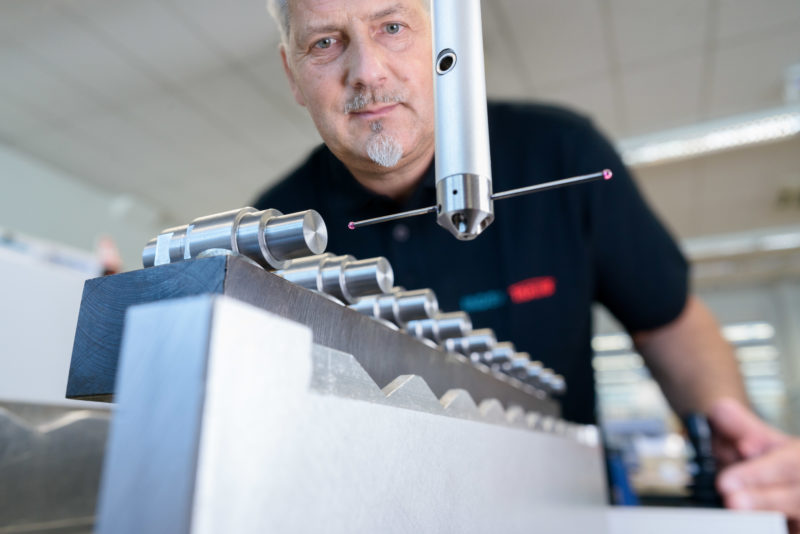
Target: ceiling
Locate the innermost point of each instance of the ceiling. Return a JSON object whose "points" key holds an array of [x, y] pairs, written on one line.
{"points": [[183, 103]]}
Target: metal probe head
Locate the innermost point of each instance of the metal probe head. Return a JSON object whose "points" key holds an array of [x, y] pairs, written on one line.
{"points": [[457, 206]]}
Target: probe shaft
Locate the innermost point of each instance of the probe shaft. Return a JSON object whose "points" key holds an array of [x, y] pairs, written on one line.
{"points": [[604, 175], [511, 193], [393, 217]]}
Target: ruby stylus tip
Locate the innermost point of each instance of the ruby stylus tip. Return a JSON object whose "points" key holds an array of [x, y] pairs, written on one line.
{"points": [[351, 225], [607, 174]]}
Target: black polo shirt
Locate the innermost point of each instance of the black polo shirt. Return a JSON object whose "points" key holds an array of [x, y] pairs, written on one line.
{"points": [[533, 274]]}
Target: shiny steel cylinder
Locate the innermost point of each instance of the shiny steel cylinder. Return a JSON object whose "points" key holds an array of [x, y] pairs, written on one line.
{"points": [[366, 277], [533, 372], [296, 235], [453, 324], [501, 353], [214, 231], [423, 329], [463, 163], [330, 272], [268, 237], [342, 277], [482, 340], [304, 272], [441, 327], [546, 379], [558, 385], [517, 365], [399, 307], [416, 304]]}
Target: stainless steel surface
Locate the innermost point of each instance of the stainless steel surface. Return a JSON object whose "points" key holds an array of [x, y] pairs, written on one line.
{"points": [[367, 277], [465, 207], [400, 307], [478, 341], [558, 385], [545, 378], [517, 365], [586, 178], [500, 353], [463, 163], [296, 235], [330, 275], [250, 429], [50, 462], [342, 277], [441, 327], [533, 371], [268, 237]]}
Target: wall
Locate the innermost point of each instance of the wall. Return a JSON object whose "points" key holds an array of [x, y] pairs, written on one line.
{"points": [[44, 202]]}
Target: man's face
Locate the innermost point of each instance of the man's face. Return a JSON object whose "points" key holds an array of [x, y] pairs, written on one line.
{"points": [[363, 69]]}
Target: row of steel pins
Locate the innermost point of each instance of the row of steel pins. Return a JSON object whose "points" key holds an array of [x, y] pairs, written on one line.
{"points": [[292, 246]]}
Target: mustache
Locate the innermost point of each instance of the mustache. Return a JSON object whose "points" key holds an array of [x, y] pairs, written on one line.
{"points": [[363, 99]]}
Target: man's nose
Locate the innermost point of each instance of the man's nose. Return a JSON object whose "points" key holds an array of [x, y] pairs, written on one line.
{"points": [[366, 63]]}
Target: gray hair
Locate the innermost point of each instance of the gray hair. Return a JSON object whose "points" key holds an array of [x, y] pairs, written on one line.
{"points": [[279, 9]]}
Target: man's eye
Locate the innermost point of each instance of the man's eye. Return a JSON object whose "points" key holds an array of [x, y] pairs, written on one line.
{"points": [[324, 43], [393, 28]]}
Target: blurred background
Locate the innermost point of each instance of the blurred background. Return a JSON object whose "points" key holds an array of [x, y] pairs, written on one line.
{"points": [[119, 119]]}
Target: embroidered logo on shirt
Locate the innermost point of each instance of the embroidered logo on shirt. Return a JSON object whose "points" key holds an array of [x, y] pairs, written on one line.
{"points": [[537, 288], [540, 287]]}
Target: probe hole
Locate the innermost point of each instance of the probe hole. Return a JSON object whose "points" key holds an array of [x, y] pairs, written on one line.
{"points": [[455, 191], [446, 61]]}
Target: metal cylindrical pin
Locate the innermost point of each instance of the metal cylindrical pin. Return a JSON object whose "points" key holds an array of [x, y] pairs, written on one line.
{"points": [[366, 277], [501, 353], [423, 329], [482, 340], [330, 272], [416, 304], [452, 324], [251, 241], [532, 373], [296, 235], [517, 365], [546, 379], [558, 385], [214, 231]]}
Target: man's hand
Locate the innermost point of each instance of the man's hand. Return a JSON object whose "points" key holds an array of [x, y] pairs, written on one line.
{"points": [[761, 465]]}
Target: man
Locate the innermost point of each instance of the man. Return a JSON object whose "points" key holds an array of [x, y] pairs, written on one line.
{"points": [[363, 69]]}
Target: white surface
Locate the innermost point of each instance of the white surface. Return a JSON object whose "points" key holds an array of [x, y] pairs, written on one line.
{"points": [[298, 461], [39, 305], [692, 521]]}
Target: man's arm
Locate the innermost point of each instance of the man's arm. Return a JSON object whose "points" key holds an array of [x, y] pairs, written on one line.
{"points": [[697, 370], [691, 360]]}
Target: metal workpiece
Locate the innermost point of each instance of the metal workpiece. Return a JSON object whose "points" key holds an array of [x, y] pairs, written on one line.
{"points": [[343, 277], [478, 341], [500, 353], [269, 237], [533, 371], [558, 385], [546, 378], [517, 365], [441, 327], [463, 164], [399, 307]]}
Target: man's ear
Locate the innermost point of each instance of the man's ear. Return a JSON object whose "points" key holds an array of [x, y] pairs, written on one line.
{"points": [[298, 96]]}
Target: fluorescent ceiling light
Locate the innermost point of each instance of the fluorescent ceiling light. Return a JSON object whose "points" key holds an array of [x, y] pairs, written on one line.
{"points": [[710, 137], [611, 342], [744, 332]]}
